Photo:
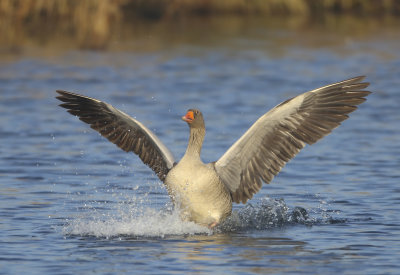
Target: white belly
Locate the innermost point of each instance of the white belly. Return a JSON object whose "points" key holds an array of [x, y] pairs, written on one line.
{"points": [[198, 192]]}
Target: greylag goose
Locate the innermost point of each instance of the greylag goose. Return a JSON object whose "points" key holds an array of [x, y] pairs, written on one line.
{"points": [[204, 192]]}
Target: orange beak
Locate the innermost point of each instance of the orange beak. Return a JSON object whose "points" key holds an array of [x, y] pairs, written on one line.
{"points": [[189, 117]]}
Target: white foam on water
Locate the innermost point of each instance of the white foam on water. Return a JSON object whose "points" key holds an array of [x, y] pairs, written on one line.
{"points": [[150, 223]]}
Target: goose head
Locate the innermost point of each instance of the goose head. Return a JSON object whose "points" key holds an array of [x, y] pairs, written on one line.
{"points": [[194, 118]]}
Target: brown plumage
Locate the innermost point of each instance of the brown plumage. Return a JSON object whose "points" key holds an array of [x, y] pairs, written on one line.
{"points": [[122, 130], [204, 192]]}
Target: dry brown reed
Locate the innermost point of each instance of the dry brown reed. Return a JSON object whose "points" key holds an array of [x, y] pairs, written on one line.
{"points": [[90, 22]]}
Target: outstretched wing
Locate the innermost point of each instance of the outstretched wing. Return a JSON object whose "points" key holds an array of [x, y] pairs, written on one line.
{"points": [[121, 129], [281, 133]]}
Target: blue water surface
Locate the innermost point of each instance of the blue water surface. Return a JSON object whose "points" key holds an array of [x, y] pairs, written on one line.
{"points": [[73, 203]]}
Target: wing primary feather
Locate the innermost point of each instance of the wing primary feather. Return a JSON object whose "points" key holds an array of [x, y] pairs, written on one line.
{"points": [[121, 129]]}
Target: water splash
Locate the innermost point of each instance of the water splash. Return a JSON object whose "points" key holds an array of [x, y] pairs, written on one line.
{"points": [[265, 214], [148, 222]]}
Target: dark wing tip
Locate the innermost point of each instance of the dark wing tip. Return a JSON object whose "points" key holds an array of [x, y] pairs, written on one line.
{"points": [[355, 79], [62, 92], [360, 77], [64, 95]]}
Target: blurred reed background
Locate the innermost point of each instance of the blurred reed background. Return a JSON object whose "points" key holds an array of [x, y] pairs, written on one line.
{"points": [[93, 24]]}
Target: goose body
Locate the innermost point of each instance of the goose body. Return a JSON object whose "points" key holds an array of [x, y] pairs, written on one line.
{"points": [[204, 192], [198, 192]]}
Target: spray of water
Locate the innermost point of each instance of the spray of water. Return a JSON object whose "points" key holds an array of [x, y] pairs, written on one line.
{"points": [[135, 221], [150, 223]]}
